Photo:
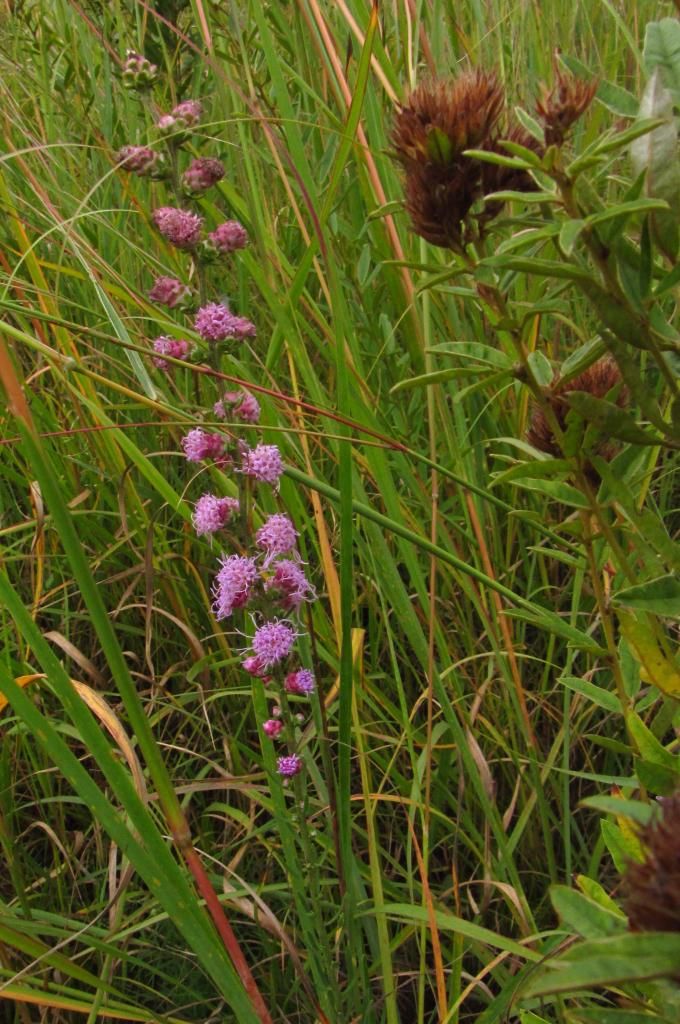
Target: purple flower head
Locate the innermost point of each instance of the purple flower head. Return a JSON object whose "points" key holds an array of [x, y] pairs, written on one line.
{"points": [[170, 292], [289, 766], [254, 666], [301, 682], [199, 445], [233, 584], [173, 347], [201, 175], [273, 641], [181, 228], [180, 122], [189, 112], [215, 322], [138, 72], [289, 584], [238, 405], [166, 124], [212, 514], [273, 727], [276, 536], [142, 160], [226, 238], [264, 463]]}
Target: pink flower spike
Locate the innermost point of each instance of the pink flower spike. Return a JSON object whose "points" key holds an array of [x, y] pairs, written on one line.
{"points": [[170, 292], [273, 641], [212, 514], [289, 766], [273, 727], [198, 445], [181, 228], [263, 462], [300, 683]]}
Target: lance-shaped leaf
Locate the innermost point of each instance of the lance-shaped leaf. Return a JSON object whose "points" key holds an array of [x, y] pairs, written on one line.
{"points": [[662, 51], [656, 154]]}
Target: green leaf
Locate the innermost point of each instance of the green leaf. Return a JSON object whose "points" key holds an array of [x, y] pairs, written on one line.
{"points": [[536, 265], [451, 923], [609, 961], [564, 493], [583, 357], [662, 52], [568, 236], [594, 891], [656, 154], [623, 847], [648, 745], [438, 145], [611, 420], [603, 698], [660, 596], [584, 916], [633, 809], [541, 368]]}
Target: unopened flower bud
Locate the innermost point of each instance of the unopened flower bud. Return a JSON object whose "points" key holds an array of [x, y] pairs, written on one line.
{"points": [[143, 161], [138, 72]]}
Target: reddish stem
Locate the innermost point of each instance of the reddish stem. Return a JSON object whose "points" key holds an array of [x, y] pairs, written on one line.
{"points": [[225, 930]]}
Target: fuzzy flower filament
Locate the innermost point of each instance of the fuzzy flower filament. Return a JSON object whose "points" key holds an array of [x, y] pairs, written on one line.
{"points": [[212, 514], [234, 584]]}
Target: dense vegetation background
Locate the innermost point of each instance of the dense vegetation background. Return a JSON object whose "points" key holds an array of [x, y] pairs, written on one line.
{"points": [[457, 730]]}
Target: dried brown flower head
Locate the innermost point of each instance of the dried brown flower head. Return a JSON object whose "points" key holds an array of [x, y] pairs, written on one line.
{"points": [[558, 108], [653, 886], [598, 380], [440, 120]]}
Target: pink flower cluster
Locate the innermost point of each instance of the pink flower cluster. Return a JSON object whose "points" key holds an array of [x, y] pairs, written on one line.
{"points": [[201, 175], [173, 347], [212, 514], [198, 445], [181, 228], [170, 292], [238, 405], [225, 239], [143, 161], [216, 322]]}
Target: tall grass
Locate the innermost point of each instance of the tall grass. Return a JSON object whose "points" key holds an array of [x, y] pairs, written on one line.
{"points": [[458, 761]]}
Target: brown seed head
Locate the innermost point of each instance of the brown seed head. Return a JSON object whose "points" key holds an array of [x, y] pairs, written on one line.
{"points": [[598, 380], [653, 887], [440, 120], [559, 107]]}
